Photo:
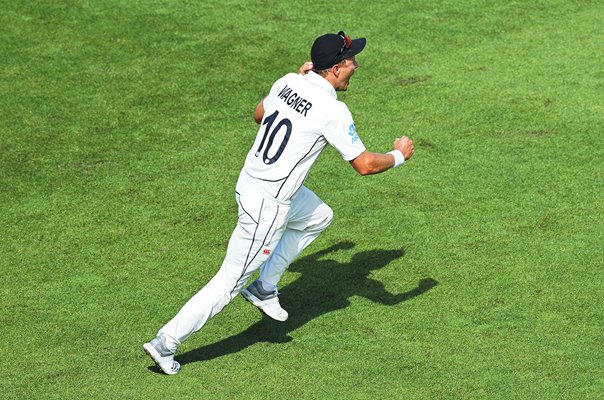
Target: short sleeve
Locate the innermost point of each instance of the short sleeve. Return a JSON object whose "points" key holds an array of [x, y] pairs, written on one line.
{"points": [[341, 133]]}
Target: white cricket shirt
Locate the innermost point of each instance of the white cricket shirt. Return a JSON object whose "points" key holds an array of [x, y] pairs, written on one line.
{"points": [[301, 115]]}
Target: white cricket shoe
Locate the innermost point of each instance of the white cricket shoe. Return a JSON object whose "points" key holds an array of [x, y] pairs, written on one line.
{"points": [[267, 302], [162, 356]]}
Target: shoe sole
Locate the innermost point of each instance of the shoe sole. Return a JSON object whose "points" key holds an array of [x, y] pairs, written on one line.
{"points": [[256, 302], [151, 352]]}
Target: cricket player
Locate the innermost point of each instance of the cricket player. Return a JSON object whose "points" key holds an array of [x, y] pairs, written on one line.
{"points": [[278, 216]]}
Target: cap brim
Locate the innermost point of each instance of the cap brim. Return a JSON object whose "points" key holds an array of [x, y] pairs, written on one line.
{"points": [[355, 48]]}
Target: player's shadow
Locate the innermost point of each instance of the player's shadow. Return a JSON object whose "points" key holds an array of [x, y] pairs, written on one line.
{"points": [[324, 286]]}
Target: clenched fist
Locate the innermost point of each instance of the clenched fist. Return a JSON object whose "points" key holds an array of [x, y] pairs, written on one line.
{"points": [[405, 146]]}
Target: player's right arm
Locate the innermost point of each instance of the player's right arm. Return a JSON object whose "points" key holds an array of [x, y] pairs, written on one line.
{"points": [[259, 112], [368, 163]]}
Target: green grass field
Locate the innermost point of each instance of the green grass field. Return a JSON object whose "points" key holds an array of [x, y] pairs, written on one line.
{"points": [[475, 271]]}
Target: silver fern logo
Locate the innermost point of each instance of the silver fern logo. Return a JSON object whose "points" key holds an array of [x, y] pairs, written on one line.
{"points": [[353, 133]]}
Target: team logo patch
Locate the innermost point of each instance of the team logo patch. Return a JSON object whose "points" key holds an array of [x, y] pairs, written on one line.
{"points": [[353, 133], [266, 251]]}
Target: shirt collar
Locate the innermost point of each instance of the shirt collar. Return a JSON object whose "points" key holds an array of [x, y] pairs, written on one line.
{"points": [[321, 82]]}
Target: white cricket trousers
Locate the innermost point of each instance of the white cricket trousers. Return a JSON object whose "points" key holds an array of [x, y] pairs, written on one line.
{"points": [[268, 235]]}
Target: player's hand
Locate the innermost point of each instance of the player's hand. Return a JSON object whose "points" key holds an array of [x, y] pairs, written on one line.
{"points": [[305, 68], [405, 146]]}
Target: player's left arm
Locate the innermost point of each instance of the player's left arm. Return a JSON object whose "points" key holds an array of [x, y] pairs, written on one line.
{"points": [[259, 111], [368, 163]]}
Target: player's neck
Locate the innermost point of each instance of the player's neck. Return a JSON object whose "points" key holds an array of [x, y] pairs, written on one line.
{"points": [[332, 79]]}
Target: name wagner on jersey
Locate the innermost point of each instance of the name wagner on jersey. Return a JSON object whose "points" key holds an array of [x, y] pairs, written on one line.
{"points": [[295, 101]]}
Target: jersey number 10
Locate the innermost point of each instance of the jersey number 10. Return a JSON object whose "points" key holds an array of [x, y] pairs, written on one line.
{"points": [[268, 121]]}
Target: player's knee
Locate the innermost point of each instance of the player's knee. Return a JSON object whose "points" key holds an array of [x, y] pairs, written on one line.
{"points": [[322, 217], [327, 216]]}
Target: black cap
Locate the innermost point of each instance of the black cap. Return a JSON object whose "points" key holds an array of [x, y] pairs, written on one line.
{"points": [[330, 49]]}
